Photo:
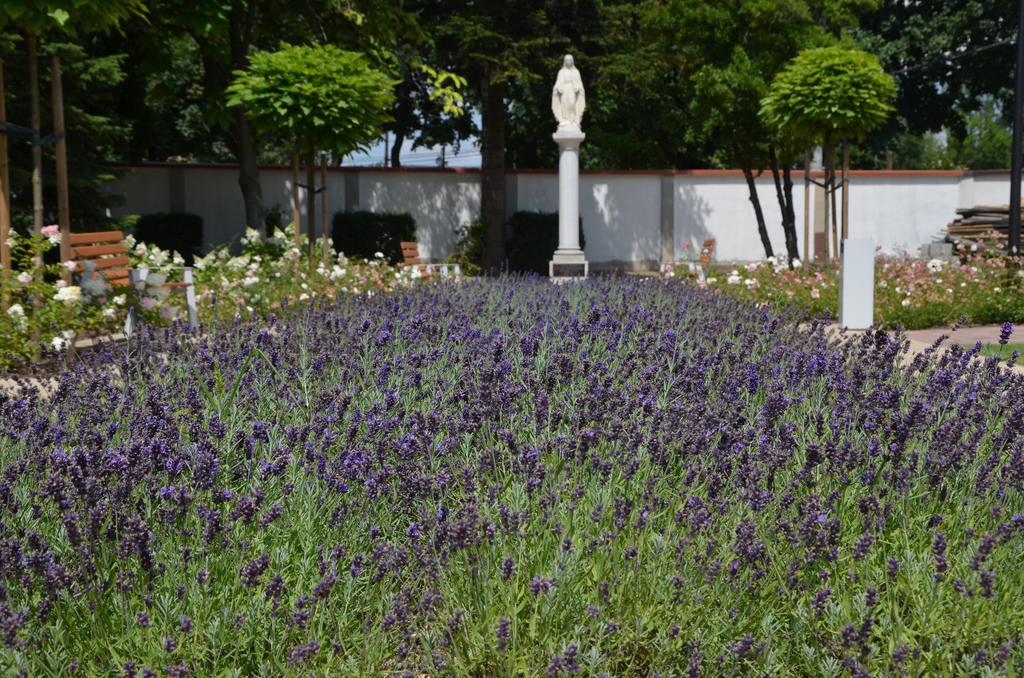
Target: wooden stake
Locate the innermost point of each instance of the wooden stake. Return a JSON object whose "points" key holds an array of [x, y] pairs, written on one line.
{"points": [[311, 203], [61, 155], [37, 149], [324, 214], [807, 206], [5, 203], [846, 190], [296, 207]]}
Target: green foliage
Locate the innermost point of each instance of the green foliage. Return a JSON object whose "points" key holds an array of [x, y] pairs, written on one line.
{"points": [[534, 240], [38, 16], [364, 234], [177, 232], [95, 129], [321, 97], [829, 93], [987, 142], [469, 251]]}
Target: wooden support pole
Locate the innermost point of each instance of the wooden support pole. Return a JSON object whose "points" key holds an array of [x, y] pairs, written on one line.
{"points": [[37, 149], [846, 190], [5, 203], [296, 206], [61, 156], [311, 204], [324, 214], [807, 206]]}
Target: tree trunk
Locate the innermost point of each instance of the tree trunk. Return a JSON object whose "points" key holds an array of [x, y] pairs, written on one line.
{"points": [[60, 154], [784, 194], [311, 204], [241, 23], [492, 174], [762, 228], [37, 149], [396, 150], [248, 172], [5, 204]]}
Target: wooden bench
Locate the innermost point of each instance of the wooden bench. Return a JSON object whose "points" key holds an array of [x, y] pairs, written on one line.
{"points": [[105, 252], [411, 257]]}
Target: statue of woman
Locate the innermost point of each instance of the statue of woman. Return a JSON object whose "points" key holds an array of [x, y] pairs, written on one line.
{"points": [[568, 100]]}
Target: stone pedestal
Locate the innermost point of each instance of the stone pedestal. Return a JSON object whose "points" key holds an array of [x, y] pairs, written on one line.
{"points": [[857, 284], [568, 260]]}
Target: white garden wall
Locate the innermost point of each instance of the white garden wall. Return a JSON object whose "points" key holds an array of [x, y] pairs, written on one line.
{"points": [[630, 219]]}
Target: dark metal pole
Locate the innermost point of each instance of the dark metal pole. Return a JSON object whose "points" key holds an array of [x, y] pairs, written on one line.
{"points": [[1018, 127]]}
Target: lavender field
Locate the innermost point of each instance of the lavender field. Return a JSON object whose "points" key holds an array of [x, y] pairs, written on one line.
{"points": [[511, 477]]}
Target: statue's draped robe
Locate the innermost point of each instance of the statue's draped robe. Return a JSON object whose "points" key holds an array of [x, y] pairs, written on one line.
{"points": [[568, 99]]}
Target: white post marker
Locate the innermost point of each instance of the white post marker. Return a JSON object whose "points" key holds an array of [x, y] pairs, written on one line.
{"points": [[568, 101], [857, 284]]}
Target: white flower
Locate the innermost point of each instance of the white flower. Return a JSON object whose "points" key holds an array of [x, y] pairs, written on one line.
{"points": [[24, 277], [16, 311], [935, 265], [60, 283], [796, 263], [949, 290], [963, 284], [974, 248], [140, 249], [159, 256], [997, 289], [938, 281], [109, 312], [59, 343], [883, 284], [70, 265], [711, 281], [69, 294], [773, 260], [178, 260], [249, 281], [905, 302], [750, 282], [119, 300], [751, 267], [379, 255], [733, 279], [129, 241]]}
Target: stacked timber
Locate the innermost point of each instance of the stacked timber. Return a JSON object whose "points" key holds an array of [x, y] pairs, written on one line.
{"points": [[983, 224]]}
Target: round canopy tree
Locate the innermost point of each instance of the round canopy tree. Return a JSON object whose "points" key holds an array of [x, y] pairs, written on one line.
{"points": [[828, 94], [318, 96]]}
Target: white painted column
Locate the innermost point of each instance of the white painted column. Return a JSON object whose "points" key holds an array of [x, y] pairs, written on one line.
{"points": [[857, 284], [568, 259]]}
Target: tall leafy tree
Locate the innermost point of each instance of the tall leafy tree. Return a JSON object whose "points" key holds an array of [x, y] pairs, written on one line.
{"points": [[494, 44], [318, 97], [827, 94]]}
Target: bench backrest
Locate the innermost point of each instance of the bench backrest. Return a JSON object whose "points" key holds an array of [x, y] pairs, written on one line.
{"points": [[107, 253], [411, 252]]}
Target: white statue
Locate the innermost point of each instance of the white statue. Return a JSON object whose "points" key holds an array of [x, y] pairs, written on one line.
{"points": [[568, 99]]}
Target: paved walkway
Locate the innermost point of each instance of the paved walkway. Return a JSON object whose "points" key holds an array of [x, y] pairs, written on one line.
{"points": [[966, 336]]}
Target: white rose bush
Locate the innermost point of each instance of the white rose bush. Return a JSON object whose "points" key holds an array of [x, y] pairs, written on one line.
{"points": [[268, 277]]}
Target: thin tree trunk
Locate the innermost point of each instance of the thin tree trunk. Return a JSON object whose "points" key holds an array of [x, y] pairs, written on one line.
{"points": [[37, 149], [784, 194], [324, 211], [830, 195], [5, 202], [492, 175], [762, 228], [846, 189], [61, 157], [311, 203], [296, 204], [789, 221], [396, 150], [241, 24], [248, 172], [808, 245]]}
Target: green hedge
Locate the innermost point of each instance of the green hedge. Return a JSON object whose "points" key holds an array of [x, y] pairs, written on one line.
{"points": [[533, 240], [179, 232], [363, 234]]}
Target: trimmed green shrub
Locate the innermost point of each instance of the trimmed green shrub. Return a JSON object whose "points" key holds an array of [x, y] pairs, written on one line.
{"points": [[363, 234], [179, 232], [534, 238]]}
